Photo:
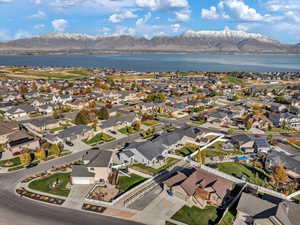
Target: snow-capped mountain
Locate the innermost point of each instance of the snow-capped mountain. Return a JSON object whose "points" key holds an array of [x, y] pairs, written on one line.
{"points": [[190, 41]]}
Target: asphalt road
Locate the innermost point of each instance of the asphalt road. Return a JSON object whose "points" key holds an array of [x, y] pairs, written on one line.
{"points": [[16, 210]]}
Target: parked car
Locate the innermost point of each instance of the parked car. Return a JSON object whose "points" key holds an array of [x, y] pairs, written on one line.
{"points": [[69, 143], [32, 165], [112, 131]]}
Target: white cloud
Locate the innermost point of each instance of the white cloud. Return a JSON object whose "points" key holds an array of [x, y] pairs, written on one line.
{"points": [[124, 30], [4, 35], [22, 34], [59, 25], [292, 15], [210, 14], [6, 1], [39, 26], [105, 30], [162, 5], [144, 19], [282, 5], [175, 27], [39, 15], [122, 15], [182, 15], [37, 2]]}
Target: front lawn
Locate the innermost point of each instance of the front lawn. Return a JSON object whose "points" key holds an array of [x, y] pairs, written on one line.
{"points": [[297, 197], [217, 150], [10, 162], [196, 216], [152, 171], [228, 219], [198, 122], [98, 139], [46, 184], [186, 150], [151, 123], [126, 183], [254, 175]]}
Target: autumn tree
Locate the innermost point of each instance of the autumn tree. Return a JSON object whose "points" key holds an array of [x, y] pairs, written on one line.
{"points": [[25, 158], [82, 118], [34, 86], [55, 149], [200, 157], [279, 175], [103, 114], [137, 125], [40, 154]]}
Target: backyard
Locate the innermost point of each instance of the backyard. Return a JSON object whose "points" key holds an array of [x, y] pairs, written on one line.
{"points": [[126, 183], [150, 123], [127, 130], [152, 171], [196, 216], [217, 150], [55, 184], [253, 175], [186, 150]]}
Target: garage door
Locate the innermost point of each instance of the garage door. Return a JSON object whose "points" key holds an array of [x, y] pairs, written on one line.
{"points": [[81, 180]]}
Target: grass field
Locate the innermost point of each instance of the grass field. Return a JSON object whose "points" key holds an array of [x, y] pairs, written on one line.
{"points": [[126, 183], [196, 216], [10, 162], [186, 150], [44, 184], [233, 80], [150, 170], [99, 138]]}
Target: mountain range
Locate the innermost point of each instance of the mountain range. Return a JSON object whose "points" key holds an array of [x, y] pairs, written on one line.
{"points": [[226, 41]]}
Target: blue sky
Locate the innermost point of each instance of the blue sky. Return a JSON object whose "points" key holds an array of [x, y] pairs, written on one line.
{"points": [[278, 19]]}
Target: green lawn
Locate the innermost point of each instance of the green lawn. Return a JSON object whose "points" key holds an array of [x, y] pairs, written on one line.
{"points": [[233, 80], [149, 170], [196, 216], [297, 197], [126, 183], [217, 150], [57, 129], [44, 184], [150, 123], [127, 131], [10, 162], [186, 150], [99, 138], [228, 219], [199, 122], [254, 175]]}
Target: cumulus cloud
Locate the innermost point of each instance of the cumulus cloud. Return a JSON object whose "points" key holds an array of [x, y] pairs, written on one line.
{"points": [[39, 26], [144, 20], [122, 15], [59, 25], [210, 14], [282, 5], [175, 27], [38, 15], [162, 5]]}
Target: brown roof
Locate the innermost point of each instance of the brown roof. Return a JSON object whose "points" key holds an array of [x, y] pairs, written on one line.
{"points": [[175, 179], [8, 127], [201, 178], [18, 135]]}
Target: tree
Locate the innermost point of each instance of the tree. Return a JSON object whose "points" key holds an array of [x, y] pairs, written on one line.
{"points": [[137, 125], [82, 118], [103, 114], [55, 149], [40, 154], [25, 158], [279, 175], [34, 87], [200, 157], [156, 97]]}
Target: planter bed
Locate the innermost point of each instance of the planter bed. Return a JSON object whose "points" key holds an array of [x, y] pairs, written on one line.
{"points": [[93, 208], [38, 197]]}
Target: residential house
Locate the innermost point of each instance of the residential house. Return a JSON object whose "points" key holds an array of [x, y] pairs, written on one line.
{"points": [[115, 123], [253, 210], [198, 187], [63, 99], [19, 112], [290, 163], [243, 142], [7, 128], [77, 132], [20, 140], [41, 124], [96, 168]]}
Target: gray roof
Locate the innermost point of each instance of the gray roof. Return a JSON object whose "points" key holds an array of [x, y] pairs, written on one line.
{"points": [[115, 120], [261, 143], [241, 139], [40, 122], [81, 171], [290, 163], [102, 159], [286, 212], [74, 131], [26, 108]]}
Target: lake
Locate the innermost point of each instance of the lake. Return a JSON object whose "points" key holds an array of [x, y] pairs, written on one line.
{"points": [[164, 62]]}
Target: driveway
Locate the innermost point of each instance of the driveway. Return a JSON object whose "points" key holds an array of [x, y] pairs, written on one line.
{"points": [[163, 207], [78, 146], [77, 196]]}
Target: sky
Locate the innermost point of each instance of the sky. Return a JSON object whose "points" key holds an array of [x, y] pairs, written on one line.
{"points": [[278, 19]]}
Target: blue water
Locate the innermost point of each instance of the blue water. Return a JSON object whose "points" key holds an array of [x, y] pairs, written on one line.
{"points": [[165, 62]]}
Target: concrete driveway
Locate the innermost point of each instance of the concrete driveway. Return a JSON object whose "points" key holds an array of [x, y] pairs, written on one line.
{"points": [[78, 146], [77, 196]]}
